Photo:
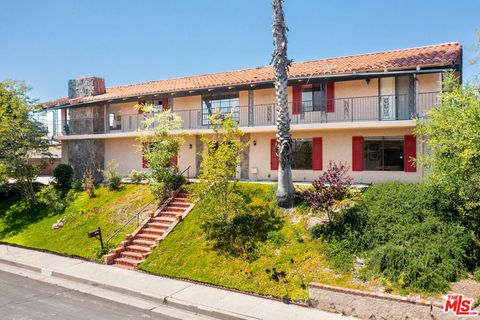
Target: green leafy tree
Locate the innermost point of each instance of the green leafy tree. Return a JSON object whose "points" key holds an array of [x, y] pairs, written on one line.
{"points": [[452, 163], [21, 138], [233, 222], [159, 147], [221, 158]]}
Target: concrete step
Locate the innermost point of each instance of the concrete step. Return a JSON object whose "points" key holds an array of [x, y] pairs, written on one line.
{"points": [[174, 209], [174, 215], [180, 204], [124, 266], [160, 219], [132, 255], [160, 226], [153, 231], [148, 237], [128, 262], [139, 249], [144, 243]]}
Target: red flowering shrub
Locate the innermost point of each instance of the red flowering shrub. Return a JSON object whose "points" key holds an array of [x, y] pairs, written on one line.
{"points": [[332, 186]]}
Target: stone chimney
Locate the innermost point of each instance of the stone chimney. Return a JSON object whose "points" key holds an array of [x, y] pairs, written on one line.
{"points": [[86, 87]]}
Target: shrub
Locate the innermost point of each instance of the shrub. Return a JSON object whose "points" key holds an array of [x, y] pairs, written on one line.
{"points": [[330, 188], [396, 228], [452, 133], [111, 176], [88, 182], [159, 149], [77, 184], [52, 198], [249, 222], [63, 174], [138, 176], [476, 275]]}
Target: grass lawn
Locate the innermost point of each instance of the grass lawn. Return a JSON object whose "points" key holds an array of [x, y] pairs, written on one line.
{"points": [[185, 253], [107, 210]]}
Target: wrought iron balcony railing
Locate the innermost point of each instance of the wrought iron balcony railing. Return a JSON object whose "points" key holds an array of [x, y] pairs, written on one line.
{"points": [[351, 109]]}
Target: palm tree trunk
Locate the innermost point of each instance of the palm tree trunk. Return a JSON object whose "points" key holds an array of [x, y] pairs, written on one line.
{"points": [[285, 191]]}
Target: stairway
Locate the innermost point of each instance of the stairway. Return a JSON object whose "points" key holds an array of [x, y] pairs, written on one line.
{"points": [[141, 243]]}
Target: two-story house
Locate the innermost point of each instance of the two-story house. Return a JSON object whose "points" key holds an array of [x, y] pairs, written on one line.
{"points": [[359, 110]]}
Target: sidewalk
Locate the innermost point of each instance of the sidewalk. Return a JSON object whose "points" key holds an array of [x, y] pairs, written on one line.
{"points": [[204, 300]]}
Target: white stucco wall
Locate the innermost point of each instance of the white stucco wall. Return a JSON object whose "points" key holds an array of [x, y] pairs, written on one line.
{"points": [[337, 146], [126, 152], [186, 156]]}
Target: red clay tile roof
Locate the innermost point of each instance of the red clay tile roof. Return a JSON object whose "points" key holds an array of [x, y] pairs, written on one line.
{"points": [[444, 54]]}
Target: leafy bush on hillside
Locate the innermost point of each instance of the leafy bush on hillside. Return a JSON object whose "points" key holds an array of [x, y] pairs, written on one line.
{"points": [[251, 220], [88, 183], [52, 198], [111, 176], [63, 174], [329, 189], [138, 176], [396, 228]]}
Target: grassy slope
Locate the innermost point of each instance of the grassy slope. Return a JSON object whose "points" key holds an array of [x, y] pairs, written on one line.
{"points": [[186, 254], [109, 209]]}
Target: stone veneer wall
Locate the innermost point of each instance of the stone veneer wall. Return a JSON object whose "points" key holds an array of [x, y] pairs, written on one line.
{"points": [[370, 305], [87, 154], [86, 120], [86, 87], [245, 158]]}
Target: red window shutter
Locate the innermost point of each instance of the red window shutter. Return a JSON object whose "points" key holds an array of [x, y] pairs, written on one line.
{"points": [[144, 160], [409, 153], [317, 156], [141, 104], [273, 155], [357, 153], [330, 97], [175, 160], [165, 104], [296, 99]]}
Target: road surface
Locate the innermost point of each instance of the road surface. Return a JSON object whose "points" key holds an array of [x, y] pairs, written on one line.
{"points": [[23, 299]]}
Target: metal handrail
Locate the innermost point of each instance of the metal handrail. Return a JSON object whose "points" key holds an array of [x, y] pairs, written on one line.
{"points": [[136, 215], [188, 173]]}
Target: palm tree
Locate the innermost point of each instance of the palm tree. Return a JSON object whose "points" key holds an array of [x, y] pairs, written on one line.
{"points": [[285, 191]]}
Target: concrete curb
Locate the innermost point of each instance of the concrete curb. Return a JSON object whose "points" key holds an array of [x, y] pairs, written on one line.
{"points": [[165, 300]]}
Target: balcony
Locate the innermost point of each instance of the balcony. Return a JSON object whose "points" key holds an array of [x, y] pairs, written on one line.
{"points": [[351, 109]]}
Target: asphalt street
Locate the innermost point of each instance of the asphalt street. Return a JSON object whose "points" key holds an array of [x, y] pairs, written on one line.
{"points": [[24, 299]]}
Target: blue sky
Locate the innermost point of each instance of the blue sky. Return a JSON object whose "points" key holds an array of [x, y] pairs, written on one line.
{"points": [[48, 42]]}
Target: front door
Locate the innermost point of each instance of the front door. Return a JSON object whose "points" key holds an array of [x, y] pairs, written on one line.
{"points": [[387, 106]]}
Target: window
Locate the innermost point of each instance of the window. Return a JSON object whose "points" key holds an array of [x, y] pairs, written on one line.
{"points": [[158, 106], [302, 154], [383, 154], [313, 97], [115, 121], [225, 103]]}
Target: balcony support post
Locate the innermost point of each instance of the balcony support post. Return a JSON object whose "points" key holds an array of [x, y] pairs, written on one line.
{"points": [[250, 108], [107, 117], [412, 92], [352, 109]]}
